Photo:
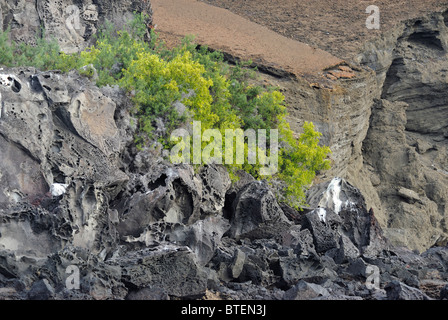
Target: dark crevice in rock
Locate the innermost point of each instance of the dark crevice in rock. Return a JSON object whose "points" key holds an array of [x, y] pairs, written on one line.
{"points": [[159, 182], [445, 18], [392, 76], [428, 39]]}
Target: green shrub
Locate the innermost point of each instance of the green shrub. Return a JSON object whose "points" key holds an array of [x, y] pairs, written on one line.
{"points": [[215, 93], [41, 56], [299, 161]]}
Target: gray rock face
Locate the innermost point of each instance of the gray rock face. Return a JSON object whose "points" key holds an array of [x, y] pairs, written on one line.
{"points": [[324, 230], [148, 294], [305, 291], [405, 147], [416, 213], [41, 290], [407, 81], [42, 147], [347, 250], [255, 212], [444, 293], [399, 291], [172, 269], [340, 112], [202, 237], [71, 23], [343, 212]]}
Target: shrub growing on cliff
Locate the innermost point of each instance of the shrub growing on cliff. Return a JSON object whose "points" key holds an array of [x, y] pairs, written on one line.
{"points": [[213, 92], [299, 161], [41, 56]]}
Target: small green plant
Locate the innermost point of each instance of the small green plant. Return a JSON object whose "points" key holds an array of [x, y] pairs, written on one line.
{"points": [[213, 92], [41, 56]]}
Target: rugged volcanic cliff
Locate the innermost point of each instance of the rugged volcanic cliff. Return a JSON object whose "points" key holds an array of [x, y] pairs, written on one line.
{"points": [[80, 205], [406, 146]]}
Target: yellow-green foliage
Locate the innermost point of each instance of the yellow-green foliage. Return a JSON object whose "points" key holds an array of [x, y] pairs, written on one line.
{"points": [[41, 56], [158, 84], [300, 160], [216, 94]]}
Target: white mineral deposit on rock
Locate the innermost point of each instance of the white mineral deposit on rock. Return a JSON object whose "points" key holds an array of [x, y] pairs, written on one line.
{"points": [[322, 213], [58, 189], [332, 196]]}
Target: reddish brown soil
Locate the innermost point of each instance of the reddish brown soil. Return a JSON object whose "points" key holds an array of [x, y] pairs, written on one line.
{"points": [[301, 37], [337, 26], [221, 29]]}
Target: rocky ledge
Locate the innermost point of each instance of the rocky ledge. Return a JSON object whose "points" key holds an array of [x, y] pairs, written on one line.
{"points": [[85, 215]]}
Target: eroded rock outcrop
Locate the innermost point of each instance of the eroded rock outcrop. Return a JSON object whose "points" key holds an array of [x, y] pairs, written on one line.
{"points": [[86, 215], [405, 148], [44, 145], [71, 23], [57, 175]]}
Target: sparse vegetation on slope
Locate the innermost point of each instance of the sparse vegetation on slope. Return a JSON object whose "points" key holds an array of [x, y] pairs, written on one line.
{"points": [[214, 93]]}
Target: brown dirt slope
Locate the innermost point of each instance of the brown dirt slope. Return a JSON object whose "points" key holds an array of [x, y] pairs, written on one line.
{"points": [[223, 30], [336, 26]]}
